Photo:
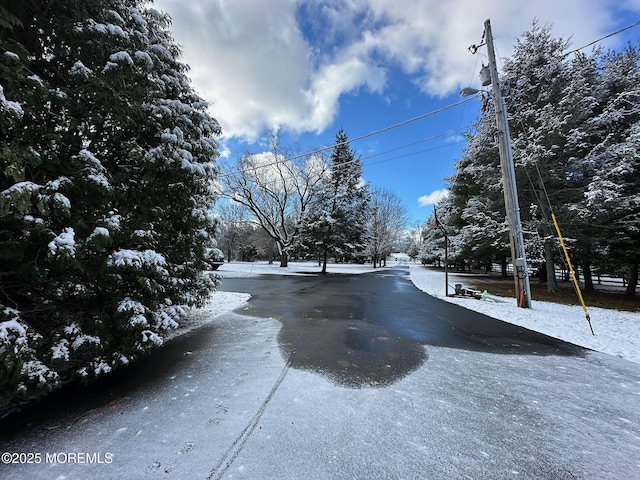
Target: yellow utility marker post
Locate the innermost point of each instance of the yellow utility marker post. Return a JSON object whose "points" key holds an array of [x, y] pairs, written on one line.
{"points": [[573, 274]]}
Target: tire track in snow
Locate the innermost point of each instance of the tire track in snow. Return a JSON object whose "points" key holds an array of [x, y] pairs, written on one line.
{"points": [[236, 447]]}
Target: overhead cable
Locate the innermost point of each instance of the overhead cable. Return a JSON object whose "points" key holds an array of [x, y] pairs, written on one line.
{"points": [[361, 137]]}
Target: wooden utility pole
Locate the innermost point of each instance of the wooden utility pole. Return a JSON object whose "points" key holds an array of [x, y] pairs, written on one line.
{"points": [[446, 252], [516, 239]]}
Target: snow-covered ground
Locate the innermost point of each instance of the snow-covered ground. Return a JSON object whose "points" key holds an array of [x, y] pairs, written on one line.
{"points": [[223, 404], [616, 333]]}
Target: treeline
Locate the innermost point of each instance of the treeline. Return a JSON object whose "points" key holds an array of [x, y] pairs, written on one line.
{"points": [[574, 120], [106, 180], [284, 203]]}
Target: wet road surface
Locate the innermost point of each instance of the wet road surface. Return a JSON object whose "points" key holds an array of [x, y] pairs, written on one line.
{"points": [[372, 329]]}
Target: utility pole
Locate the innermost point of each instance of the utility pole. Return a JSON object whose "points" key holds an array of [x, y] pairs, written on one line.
{"points": [[446, 252], [516, 240]]}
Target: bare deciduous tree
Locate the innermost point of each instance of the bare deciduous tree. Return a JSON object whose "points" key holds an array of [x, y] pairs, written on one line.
{"points": [[277, 189], [387, 222], [232, 227]]}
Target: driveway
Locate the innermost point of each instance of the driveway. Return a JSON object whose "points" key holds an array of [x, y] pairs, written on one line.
{"points": [[345, 377], [371, 330]]}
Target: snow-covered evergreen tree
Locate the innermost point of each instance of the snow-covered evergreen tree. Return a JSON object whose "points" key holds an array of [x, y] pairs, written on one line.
{"points": [[612, 198], [106, 179], [475, 209], [336, 223], [412, 241], [574, 122], [432, 242], [544, 111]]}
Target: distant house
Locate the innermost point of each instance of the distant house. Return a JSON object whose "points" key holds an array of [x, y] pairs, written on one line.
{"points": [[399, 257]]}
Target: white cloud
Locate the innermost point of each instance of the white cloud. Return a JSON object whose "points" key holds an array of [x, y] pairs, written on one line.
{"points": [[455, 139], [330, 82], [433, 198], [224, 150], [248, 58], [285, 63]]}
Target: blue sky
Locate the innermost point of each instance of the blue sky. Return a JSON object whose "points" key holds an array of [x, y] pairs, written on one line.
{"points": [[308, 68]]}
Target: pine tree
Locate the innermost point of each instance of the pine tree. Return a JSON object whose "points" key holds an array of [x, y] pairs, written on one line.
{"points": [[432, 251], [475, 208], [574, 126], [336, 223], [105, 184], [611, 199], [543, 113]]}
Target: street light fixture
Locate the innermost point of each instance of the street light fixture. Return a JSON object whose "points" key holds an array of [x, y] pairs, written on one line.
{"points": [[469, 91]]}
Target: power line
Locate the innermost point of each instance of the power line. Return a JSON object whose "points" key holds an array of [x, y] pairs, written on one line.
{"points": [[448, 132], [602, 38], [474, 49], [361, 137], [408, 154], [427, 139], [386, 129]]}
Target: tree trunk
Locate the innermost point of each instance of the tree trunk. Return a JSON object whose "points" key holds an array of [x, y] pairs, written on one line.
{"points": [[633, 281], [588, 278], [230, 244], [552, 284], [324, 260], [503, 268], [284, 259]]}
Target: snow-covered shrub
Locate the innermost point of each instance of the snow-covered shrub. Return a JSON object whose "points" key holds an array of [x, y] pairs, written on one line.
{"points": [[23, 376]]}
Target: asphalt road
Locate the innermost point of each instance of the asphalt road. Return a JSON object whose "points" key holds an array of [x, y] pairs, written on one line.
{"points": [[344, 377], [371, 330]]}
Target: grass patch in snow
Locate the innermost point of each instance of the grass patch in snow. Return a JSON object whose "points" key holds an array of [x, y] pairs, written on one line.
{"points": [[566, 293]]}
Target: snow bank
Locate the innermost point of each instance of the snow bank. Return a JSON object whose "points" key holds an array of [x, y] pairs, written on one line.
{"points": [[249, 269], [616, 333], [218, 304]]}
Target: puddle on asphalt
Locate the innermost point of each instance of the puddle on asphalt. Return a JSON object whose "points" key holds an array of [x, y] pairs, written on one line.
{"points": [[352, 353], [374, 329], [325, 329]]}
